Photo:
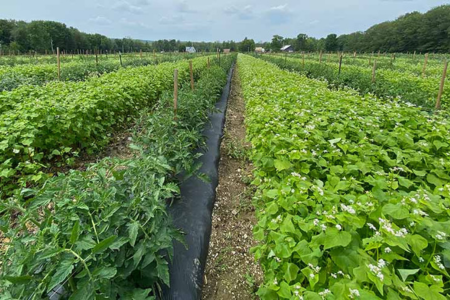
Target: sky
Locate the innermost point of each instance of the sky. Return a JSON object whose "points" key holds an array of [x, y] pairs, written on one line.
{"points": [[209, 20]]}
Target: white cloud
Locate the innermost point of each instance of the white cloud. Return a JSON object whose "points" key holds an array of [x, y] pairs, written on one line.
{"points": [[183, 7], [244, 13], [175, 19], [280, 14], [127, 7], [281, 8], [100, 20], [130, 23], [143, 2]]}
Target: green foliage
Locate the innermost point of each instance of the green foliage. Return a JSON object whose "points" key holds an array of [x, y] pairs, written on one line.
{"points": [[247, 45], [277, 43], [51, 123], [104, 233], [414, 31], [44, 70], [352, 190], [389, 83], [331, 42]]}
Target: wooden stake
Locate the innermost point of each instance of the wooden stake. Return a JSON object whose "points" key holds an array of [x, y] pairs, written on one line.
{"points": [[320, 58], [96, 58], [120, 58], [175, 93], [441, 87], [340, 64], [192, 75], [58, 60], [425, 65], [374, 71], [414, 57], [208, 63], [140, 53], [303, 60]]}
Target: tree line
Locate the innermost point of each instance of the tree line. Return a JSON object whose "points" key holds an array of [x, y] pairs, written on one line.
{"points": [[428, 32], [45, 36]]}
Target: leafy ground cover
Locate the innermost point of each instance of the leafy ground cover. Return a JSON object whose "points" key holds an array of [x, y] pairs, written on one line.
{"points": [[389, 83], [353, 191], [74, 70], [401, 63], [55, 121], [104, 233]]}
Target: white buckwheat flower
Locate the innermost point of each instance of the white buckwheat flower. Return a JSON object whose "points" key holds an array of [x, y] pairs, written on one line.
{"points": [[371, 226], [324, 293], [353, 293], [440, 235], [381, 263]]}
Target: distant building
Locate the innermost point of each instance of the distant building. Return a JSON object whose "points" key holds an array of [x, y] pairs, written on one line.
{"points": [[226, 51], [287, 48], [260, 50], [190, 50]]}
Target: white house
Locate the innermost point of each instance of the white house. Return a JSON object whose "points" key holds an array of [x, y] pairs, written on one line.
{"points": [[190, 50]]}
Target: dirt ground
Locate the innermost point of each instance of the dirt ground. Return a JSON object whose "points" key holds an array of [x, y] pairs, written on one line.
{"points": [[117, 147], [231, 271]]}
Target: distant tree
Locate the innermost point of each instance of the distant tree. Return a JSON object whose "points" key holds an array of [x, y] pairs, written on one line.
{"points": [[331, 42], [247, 45], [6, 28], [277, 43], [300, 43]]}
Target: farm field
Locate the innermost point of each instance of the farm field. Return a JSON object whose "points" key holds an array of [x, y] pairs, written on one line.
{"points": [[78, 68], [90, 230], [202, 150], [352, 194], [52, 123], [387, 82], [408, 63], [349, 189]]}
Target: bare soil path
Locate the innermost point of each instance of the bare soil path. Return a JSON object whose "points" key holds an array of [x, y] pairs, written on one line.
{"points": [[231, 271]]}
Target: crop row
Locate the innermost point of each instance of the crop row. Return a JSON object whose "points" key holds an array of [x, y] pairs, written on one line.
{"points": [[388, 83], [434, 67], [15, 60], [353, 197], [75, 70], [104, 233], [47, 123]]}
